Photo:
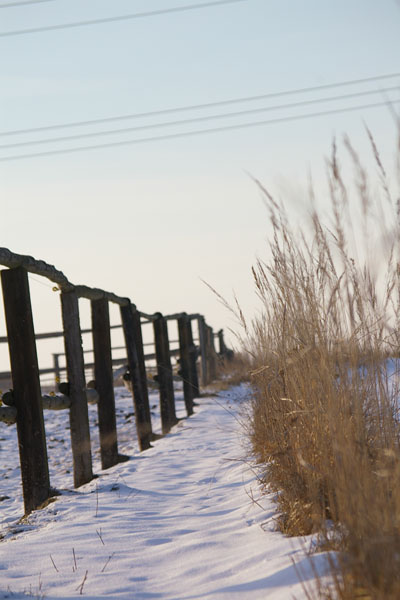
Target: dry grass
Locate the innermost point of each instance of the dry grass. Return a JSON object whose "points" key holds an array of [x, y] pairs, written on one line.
{"points": [[235, 370], [230, 372], [325, 418]]}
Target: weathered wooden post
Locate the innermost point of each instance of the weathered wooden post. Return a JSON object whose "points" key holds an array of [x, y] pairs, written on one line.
{"points": [[185, 364], [56, 366], [137, 332], [26, 388], [212, 355], [221, 341], [164, 374], [103, 375], [78, 414], [129, 316], [203, 350], [194, 378]]}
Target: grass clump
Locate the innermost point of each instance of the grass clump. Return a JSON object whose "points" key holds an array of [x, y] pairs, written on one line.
{"points": [[325, 416], [235, 370]]}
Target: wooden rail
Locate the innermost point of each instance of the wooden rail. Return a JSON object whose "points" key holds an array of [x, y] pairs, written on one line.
{"points": [[25, 403]]}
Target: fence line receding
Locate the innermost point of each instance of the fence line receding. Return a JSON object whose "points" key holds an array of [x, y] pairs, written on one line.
{"points": [[25, 402]]}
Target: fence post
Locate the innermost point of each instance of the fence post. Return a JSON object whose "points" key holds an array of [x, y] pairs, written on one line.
{"points": [[129, 316], [203, 349], [78, 414], [185, 365], [194, 378], [164, 373], [212, 357], [103, 375], [26, 388], [56, 366], [137, 332], [222, 347]]}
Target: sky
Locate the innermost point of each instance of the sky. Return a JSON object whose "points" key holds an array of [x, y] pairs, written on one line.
{"points": [[154, 220]]}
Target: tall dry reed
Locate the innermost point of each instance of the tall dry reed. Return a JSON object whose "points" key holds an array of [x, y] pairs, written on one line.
{"points": [[325, 417]]}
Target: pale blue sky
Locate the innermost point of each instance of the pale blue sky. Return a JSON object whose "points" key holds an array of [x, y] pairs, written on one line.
{"points": [[151, 220]]}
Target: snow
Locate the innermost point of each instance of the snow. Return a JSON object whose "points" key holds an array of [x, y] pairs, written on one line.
{"points": [[183, 520]]}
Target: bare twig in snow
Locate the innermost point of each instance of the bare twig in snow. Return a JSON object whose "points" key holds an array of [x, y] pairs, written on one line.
{"points": [[98, 531], [108, 560], [54, 564], [80, 586]]}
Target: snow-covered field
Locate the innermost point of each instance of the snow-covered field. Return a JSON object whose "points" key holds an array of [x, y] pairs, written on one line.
{"points": [[183, 520]]}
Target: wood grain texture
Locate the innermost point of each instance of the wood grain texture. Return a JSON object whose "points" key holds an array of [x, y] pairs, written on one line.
{"points": [[79, 420], [104, 381], [185, 364], [26, 387], [164, 374], [139, 390]]}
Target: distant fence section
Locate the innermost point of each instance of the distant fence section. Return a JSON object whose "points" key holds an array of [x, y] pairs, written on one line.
{"points": [[24, 403]]}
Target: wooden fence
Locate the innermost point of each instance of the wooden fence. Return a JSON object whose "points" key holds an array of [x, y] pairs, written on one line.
{"points": [[24, 403]]}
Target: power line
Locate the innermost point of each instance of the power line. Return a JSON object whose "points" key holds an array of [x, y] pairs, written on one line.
{"points": [[12, 4], [152, 13], [198, 131], [201, 106], [197, 119]]}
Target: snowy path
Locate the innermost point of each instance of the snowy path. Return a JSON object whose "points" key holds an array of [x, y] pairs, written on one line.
{"points": [[175, 522]]}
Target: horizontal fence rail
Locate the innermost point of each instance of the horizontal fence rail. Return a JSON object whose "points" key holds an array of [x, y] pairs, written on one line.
{"points": [[23, 405]]}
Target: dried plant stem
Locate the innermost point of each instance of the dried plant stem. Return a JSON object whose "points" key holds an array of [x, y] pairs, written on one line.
{"points": [[107, 561], [54, 564], [98, 531], [80, 586]]}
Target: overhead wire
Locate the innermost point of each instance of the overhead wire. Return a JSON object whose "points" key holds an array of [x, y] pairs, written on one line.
{"points": [[197, 119], [140, 15], [192, 107], [22, 3], [198, 132]]}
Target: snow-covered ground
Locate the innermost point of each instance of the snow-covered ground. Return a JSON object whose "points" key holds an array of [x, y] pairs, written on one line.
{"points": [[183, 520]]}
